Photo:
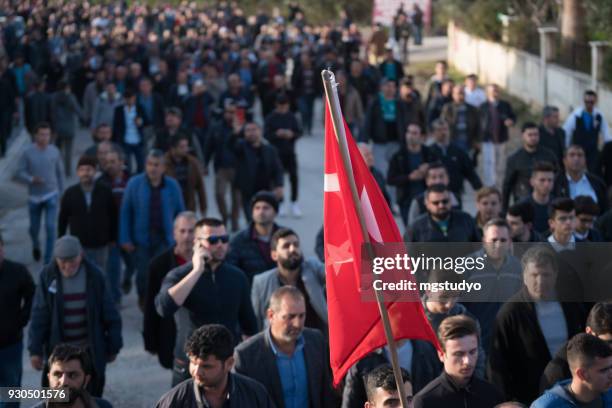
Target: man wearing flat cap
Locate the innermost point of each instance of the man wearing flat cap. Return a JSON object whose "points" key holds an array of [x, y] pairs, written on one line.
{"points": [[73, 305]]}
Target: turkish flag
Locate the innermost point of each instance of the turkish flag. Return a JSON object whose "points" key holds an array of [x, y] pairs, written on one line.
{"points": [[355, 325]]}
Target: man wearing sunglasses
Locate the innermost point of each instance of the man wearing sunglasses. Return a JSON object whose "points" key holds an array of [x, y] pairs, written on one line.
{"points": [[204, 291], [441, 223], [584, 126]]}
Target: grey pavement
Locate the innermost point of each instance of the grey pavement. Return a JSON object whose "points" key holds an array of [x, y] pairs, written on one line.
{"points": [[135, 379]]}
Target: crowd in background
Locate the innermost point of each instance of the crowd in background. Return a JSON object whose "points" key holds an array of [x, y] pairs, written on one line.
{"points": [[236, 312]]}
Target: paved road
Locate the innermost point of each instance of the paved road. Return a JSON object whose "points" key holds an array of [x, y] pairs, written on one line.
{"points": [[136, 379]]}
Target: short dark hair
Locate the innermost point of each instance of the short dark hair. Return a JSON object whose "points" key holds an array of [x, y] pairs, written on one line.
{"points": [[543, 167], [586, 205], [209, 222], [435, 165], [42, 125], [155, 154], [528, 125], [64, 352], [590, 92], [383, 377], [564, 204], [495, 222], [455, 327], [583, 349], [280, 234], [487, 191], [177, 139], [173, 110], [573, 147], [600, 318], [436, 188], [522, 209], [210, 340], [549, 110]]}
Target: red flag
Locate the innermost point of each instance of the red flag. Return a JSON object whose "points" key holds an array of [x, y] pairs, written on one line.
{"points": [[355, 326]]}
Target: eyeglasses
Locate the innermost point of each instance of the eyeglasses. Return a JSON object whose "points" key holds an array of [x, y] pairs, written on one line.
{"points": [[215, 239]]}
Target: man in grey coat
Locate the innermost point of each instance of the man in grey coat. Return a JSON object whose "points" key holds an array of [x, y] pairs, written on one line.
{"points": [[65, 112], [289, 360], [292, 269], [104, 107]]}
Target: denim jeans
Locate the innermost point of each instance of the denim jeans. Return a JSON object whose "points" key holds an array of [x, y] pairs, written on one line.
{"points": [[137, 151], [36, 209], [142, 257], [11, 369], [113, 270]]}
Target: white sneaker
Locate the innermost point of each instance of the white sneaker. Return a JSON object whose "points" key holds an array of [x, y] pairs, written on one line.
{"points": [[283, 210], [295, 210]]}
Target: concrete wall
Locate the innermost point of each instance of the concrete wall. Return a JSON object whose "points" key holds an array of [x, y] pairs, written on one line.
{"points": [[520, 74]]}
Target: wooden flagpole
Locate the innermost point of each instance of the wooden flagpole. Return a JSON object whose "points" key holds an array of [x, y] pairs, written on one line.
{"points": [[331, 93]]}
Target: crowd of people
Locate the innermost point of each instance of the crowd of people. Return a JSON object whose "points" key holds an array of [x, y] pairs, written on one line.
{"points": [[237, 313]]}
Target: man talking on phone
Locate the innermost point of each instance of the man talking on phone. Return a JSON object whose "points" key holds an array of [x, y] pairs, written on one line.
{"points": [[204, 291]]}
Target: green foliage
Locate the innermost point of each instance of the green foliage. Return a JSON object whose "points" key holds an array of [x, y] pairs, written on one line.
{"points": [[476, 17]]}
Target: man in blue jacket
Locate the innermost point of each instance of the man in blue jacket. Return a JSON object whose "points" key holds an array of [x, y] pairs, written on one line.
{"points": [[590, 360], [150, 203], [73, 305]]}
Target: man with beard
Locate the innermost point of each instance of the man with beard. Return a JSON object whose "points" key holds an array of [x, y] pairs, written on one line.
{"points": [[70, 369], [292, 269], [212, 384], [204, 291], [289, 360]]}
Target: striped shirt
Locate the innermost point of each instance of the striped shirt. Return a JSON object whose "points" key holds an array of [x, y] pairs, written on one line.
{"points": [[75, 308]]}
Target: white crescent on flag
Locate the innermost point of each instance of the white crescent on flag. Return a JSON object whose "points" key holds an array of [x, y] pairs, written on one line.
{"points": [[370, 218]]}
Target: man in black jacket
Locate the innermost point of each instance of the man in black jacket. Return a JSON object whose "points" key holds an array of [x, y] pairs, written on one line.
{"points": [[259, 166], [577, 180], [552, 136], [16, 293], [8, 103], [441, 223], [89, 210], [457, 386], [520, 163], [407, 169], [37, 107], [496, 118], [599, 323], [212, 383], [291, 361], [250, 248], [205, 290], [159, 333], [456, 161], [129, 121], [531, 328], [381, 388], [282, 129]]}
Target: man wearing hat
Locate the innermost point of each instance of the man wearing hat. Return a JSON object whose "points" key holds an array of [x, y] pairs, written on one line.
{"points": [[250, 248], [88, 209], [72, 305]]}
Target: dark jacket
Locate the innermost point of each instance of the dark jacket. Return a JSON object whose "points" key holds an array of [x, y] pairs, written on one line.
{"points": [[119, 126], [399, 172], [37, 108], [243, 101], [191, 105], [103, 319], [604, 225], [375, 128], [157, 121], [461, 228], [16, 293], [519, 353], [247, 169], [459, 167], [399, 70], [555, 142], [248, 255], [425, 368], [95, 226], [275, 121], [219, 147], [556, 370], [518, 172], [255, 359], [561, 189], [243, 392], [604, 165], [221, 297], [195, 182], [442, 392], [472, 119], [504, 111], [558, 397], [159, 333]]}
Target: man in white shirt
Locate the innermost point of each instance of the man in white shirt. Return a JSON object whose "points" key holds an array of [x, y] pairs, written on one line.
{"points": [[474, 95]]}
